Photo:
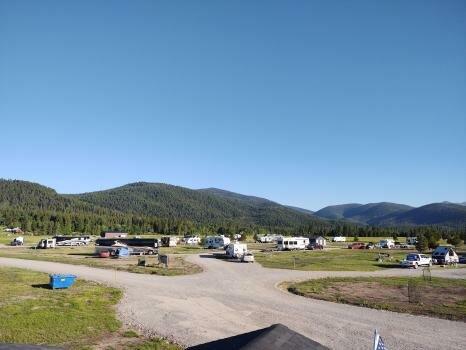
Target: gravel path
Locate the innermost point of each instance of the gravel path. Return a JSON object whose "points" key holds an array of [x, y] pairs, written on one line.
{"points": [[230, 298]]}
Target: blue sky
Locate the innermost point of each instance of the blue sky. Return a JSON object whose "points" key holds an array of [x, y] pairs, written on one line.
{"points": [[309, 103]]}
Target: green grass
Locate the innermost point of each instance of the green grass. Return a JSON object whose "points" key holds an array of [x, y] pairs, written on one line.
{"points": [[155, 344], [34, 314], [440, 297], [85, 256], [329, 260]]}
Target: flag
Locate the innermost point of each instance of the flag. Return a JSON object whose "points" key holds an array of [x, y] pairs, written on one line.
{"points": [[378, 342]]}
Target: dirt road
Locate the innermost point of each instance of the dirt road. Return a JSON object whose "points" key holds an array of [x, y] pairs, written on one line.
{"points": [[231, 298]]}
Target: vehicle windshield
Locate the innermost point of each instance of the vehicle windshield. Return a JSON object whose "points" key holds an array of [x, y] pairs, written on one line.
{"points": [[412, 257]]}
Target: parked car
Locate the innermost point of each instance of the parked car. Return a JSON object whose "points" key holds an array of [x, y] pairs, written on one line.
{"points": [[315, 246], [462, 259], [415, 260], [370, 245], [357, 245]]}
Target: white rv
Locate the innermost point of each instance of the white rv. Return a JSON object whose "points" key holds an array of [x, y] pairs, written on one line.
{"points": [[215, 242], [47, 243], [236, 250], [292, 243], [192, 240], [339, 239], [387, 243], [444, 255]]}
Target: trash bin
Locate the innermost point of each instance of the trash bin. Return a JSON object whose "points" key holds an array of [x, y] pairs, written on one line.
{"points": [[58, 281]]}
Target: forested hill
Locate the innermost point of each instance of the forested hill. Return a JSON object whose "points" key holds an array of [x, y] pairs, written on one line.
{"points": [[203, 206], [142, 207]]}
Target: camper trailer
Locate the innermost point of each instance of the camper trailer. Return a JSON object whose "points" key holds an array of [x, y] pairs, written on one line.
{"points": [[292, 243], [387, 243], [236, 250], [17, 241], [411, 240], [192, 240], [444, 255], [46, 243], [215, 242], [72, 240], [339, 239], [168, 241]]}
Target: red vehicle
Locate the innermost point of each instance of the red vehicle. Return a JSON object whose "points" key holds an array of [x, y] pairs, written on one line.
{"points": [[357, 245]]}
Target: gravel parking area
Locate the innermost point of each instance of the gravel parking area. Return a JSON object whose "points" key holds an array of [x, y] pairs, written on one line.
{"points": [[229, 298]]}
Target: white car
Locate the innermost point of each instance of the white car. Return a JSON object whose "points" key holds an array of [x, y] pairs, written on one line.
{"points": [[248, 257], [415, 260]]}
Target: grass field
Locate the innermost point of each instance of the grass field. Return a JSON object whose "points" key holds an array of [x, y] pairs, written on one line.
{"points": [[440, 297], [85, 256], [81, 317], [34, 314], [330, 260]]}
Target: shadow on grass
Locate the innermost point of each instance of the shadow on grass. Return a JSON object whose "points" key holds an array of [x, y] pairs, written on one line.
{"points": [[41, 285], [389, 266], [83, 254]]}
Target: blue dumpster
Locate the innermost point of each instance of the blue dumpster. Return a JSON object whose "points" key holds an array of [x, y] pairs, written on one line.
{"points": [[61, 281]]}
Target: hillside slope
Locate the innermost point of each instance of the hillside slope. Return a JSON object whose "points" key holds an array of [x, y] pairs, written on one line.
{"points": [[430, 214], [207, 205]]}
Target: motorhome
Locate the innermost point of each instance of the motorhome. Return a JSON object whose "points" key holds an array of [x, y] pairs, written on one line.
{"points": [[168, 241], [445, 255], [387, 243], [72, 240], [236, 250], [215, 242], [192, 240], [292, 243], [47, 243], [17, 241]]}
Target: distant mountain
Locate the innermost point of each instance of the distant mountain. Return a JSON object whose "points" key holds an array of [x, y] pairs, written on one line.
{"points": [[336, 212], [362, 213], [301, 210], [203, 206], [430, 214], [250, 199]]}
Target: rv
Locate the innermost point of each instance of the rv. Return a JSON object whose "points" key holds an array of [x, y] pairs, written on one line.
{"points": [[46, 243], [192, 240], [339, 239], [292, 243], [168, 241], [444, 255], [387, 243], [236, 250], [215, 242], [411, 240], [72, 240], [17, 241], [268, 239]]}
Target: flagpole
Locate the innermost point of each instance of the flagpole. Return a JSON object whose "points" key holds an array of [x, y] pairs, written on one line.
{"points": [[376, 339]]}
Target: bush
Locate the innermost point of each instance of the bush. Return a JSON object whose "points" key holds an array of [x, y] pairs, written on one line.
{"points": [[454, 240], [422, 244]]}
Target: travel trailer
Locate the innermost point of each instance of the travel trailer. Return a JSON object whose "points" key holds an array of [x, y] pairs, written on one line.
{"points": [[192, 240], [387, 243], [47, 243], [168, 241], [445, 255], [215, 242], [72, 240], [339, 239], [236, 250], [292, 243]]}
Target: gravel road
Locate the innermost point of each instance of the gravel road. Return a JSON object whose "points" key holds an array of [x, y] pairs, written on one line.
{"points": [[229, 298]]}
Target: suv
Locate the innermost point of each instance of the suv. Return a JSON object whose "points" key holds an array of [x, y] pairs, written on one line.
{"points": [[357, 245], [415, 260]]}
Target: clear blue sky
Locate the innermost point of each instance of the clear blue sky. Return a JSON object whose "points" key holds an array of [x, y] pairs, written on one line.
{"points": [[308, 103]]}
